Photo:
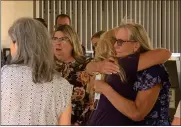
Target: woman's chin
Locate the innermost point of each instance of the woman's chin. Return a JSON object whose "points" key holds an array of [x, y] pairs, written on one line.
{"points": [[59, 57], [120, 55]]}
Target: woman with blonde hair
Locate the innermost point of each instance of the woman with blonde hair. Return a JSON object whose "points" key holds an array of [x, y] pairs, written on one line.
{"points": [[136, 96], [71, 63], [32, 92]]}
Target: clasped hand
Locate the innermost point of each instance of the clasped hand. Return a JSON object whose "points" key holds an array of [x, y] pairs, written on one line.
{"points": [[108, 66]]}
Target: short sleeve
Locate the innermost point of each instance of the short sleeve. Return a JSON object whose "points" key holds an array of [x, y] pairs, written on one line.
{"points": [[67, 95], [63, 95], [5, 72], [150, 77], [130, 65], [3, 68], [177, 114]]}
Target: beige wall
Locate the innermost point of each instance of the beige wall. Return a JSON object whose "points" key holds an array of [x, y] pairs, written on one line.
{"points": [[10, 11]]}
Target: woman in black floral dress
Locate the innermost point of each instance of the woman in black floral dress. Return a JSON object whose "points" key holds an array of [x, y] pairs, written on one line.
{"points": [[71, 63]]}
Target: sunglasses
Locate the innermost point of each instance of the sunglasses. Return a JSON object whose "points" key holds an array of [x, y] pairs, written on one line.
{"points": [[60, 39], [120, 41]]}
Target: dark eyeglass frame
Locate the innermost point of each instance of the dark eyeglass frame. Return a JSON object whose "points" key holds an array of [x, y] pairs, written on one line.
{"points": [[60, 39], [120, 41]]}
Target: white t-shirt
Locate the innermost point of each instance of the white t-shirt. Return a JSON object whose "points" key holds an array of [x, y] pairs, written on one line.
{"points": [[26, 103], [177, 114]]}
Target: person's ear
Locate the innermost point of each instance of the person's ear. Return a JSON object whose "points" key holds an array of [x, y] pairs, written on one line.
{"points": [[13, 48], [136, 47]]}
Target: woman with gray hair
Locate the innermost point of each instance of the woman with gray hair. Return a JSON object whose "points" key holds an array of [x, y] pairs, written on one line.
{"points": [[32, 92]]}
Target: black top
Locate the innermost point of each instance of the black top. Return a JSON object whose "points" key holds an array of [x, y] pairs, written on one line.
{"points": [[106, 113], [75, 74]]}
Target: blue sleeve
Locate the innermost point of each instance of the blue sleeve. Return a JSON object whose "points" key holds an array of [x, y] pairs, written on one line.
{"points": [[150, 77]]}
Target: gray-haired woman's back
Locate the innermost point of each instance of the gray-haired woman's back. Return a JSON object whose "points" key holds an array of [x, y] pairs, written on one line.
{"points": [[32, 92], [26, 103]]}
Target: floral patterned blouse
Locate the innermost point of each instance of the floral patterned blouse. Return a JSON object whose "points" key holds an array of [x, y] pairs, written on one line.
{"points": [[147, 79], [75, 74]]}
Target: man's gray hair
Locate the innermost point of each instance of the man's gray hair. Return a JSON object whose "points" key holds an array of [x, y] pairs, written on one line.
{"points": [[34, 48]]}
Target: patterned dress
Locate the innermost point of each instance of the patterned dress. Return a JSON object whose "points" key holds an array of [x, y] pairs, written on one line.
{"points": [[75, 74], [147, 79]]}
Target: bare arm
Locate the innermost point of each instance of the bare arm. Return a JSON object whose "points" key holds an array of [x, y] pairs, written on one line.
{"points": [[105, 67], [146, 60], [153, 57], [92, 67], [176, 121], [65, 117], [135, 110]]}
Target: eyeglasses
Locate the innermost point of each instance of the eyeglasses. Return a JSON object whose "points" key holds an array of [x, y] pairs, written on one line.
{"points": [[120, 41], [60, 39]]}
